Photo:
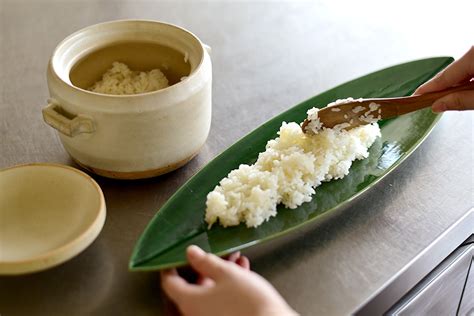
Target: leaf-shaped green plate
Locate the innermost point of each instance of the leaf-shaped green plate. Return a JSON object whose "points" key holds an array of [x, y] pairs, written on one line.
{"points": [[180, 222]]}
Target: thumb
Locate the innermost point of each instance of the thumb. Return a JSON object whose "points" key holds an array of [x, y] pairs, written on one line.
{"points": [[457, 101], [207, 264]]}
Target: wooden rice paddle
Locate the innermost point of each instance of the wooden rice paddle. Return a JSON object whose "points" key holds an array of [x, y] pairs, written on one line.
{"points": [[389, 107]]}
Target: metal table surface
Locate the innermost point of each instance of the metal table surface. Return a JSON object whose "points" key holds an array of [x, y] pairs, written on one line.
{"points": [[266, 57]]}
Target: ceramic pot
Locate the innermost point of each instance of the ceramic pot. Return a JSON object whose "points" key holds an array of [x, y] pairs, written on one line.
{"points": [[131, 136]]}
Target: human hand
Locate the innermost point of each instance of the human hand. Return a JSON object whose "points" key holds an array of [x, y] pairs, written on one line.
{"points": [[234, 257], [226, 288], [460, 71]]}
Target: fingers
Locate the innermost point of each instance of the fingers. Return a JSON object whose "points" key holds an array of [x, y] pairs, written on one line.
{"points": [[240, 260], [458, 101], [206, 264], [243, 262], [205, 282], [459, 71], [233, 257], [176, 287]]}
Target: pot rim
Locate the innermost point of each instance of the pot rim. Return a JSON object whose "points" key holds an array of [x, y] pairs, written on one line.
{"points": [[177, 85]]}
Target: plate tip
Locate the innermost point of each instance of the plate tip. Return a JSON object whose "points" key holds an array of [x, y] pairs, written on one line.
{"points": [[131, 266], [133, 263]]}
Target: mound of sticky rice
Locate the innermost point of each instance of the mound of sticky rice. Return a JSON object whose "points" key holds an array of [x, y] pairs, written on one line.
{"points": [[287, 172], [121, 80]]}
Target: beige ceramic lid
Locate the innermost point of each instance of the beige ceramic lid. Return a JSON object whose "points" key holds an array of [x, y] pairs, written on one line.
{"points": [[48, 214]]}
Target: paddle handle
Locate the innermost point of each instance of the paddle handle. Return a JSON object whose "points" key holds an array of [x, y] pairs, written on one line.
{"points": [[397, 106], [388, 107]]}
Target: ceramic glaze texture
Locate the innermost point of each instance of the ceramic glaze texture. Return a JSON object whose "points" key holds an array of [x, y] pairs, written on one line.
{"points": [[51, 213], [131, 136]]}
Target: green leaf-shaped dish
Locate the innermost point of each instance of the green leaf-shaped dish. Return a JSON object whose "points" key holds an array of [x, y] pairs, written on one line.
{"points": [[180, 222]]}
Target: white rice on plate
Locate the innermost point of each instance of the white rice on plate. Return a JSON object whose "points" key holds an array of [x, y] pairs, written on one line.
{"points": [[287, 172]]}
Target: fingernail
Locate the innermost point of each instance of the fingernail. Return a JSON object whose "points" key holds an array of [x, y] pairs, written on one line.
{"points": [[439, 107]]}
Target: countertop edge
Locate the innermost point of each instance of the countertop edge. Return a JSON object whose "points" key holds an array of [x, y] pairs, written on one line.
{"points": [[418, 267]]}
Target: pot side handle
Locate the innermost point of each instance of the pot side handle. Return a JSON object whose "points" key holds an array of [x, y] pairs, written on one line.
{"points": [[66, 123]]}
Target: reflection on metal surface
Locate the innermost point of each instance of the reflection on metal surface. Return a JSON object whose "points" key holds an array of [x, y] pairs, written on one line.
{"points": [[440, 292], [466, 306], [419, 266]]}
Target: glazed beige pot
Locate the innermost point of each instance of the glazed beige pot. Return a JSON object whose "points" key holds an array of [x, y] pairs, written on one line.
{"points": [[131, 136]]}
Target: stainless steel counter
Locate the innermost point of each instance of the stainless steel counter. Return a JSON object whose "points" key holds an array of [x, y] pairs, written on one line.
{"points": [[266, 57]]}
